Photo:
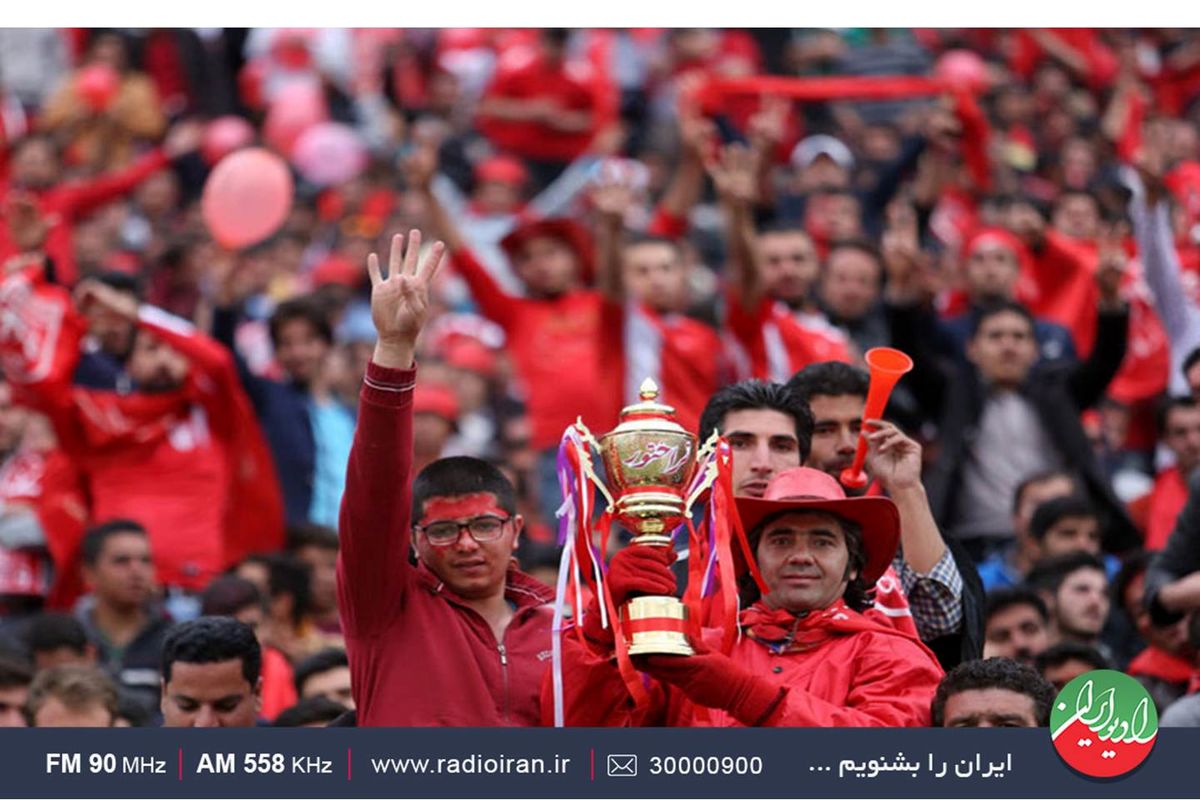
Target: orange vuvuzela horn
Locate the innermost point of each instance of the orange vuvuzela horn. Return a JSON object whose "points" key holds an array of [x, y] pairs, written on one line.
{"points": [[887, 366]]}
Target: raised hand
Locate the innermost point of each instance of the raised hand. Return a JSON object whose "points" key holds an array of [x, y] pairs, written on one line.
{"points": [[893, 459], [400, 302], [91, 293], [735, 174]]}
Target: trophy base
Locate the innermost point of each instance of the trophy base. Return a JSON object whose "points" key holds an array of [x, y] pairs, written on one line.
{"points": [[657, 626]]}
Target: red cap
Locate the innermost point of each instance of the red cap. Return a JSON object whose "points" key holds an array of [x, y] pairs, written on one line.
{"points": [[436, 398], [998, 236], [565, 230], [502, 169], [470, 354], [805, 489], [337, 270]]}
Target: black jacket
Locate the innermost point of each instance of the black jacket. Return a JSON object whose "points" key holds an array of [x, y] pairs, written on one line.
{"points": [[953, 396], [1179, 557]]}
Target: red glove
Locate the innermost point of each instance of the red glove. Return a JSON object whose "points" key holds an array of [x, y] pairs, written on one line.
{"points": [[633, 571], [714, 680]]}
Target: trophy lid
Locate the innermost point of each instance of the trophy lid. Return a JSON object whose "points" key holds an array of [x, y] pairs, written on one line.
{"points": [[649, 414]]}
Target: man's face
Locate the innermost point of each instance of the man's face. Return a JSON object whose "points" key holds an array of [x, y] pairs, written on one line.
{"points": [[430, 434], [1034, 495], [655, 274], [1016, 632], [804, 560], [850, 286], [991, 273], [763, 442], [469, 568], [989, 708], [123, 574], [323, 562], [35, 165], [835, 434], [1062, 674], [1070, 534], [1081, 603], [12, 700], [1077, 217], [114, 333], [1192, 376], [215, 695], [789, 266], [53, 713], [154, 365], [1004, 349], [300, 350], [497, 197], [1182, 437], [547, 266], [332, 683]]}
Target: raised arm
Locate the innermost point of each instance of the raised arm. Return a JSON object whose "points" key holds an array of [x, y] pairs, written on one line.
{"points": [[375, 525], [611, 197], [1091, 377], [734, 174], [496, 304]]}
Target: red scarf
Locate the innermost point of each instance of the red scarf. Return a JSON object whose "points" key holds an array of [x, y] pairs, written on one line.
{"points": [[782, 630], [1156, 663]]}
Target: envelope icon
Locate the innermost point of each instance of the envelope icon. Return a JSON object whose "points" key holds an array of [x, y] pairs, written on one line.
{"points": [[622, 766]]}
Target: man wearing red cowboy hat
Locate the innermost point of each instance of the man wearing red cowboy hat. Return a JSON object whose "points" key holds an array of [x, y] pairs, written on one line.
{"points": [[807, 657]]}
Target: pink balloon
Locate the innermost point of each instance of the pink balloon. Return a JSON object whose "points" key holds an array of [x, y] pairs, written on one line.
{"points": [[224, 135], [296, 108], [97, 85], [247, 197], [329, 153], [962, 69]]}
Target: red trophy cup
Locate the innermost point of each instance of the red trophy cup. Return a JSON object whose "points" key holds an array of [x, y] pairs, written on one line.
{"points": [[887, 366]]}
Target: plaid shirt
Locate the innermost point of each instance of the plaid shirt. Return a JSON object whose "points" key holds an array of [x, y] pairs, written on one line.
{"points": [[934, 597]]}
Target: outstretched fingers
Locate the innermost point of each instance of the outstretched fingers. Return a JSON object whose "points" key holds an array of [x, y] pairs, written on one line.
{"points": [[373, 269], [433, 263], [412, 252], [396, 256]]}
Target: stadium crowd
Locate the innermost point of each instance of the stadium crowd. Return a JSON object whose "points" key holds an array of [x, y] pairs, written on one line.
{"points": [[314, 478]]}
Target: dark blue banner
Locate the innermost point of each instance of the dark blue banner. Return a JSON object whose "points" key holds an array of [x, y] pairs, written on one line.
{"points": [[524, 763]]}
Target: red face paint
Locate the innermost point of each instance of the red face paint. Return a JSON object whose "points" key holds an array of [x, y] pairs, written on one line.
{"points": [[461, 507]]}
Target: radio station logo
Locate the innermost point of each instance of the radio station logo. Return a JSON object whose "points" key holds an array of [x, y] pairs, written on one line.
{"points": [[1103, 724]]}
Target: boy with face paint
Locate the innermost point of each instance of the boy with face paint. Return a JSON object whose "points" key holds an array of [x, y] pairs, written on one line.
{"points": [[456, 636]]}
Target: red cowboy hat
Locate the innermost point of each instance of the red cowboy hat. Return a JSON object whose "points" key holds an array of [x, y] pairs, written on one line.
{"points": [[565, 230], [805, 489]]}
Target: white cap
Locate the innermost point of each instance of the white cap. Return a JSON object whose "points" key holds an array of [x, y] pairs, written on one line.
{"points": [[808, 150]]}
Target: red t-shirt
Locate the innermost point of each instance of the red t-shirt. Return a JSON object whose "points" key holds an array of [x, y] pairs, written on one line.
{"points": [[1166, 503], [779, 343], [685, 357], [523, 75], [567, 352]]}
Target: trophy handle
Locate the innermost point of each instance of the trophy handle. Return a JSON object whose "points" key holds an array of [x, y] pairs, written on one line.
{"points": [[710, 472], [589, 468]]}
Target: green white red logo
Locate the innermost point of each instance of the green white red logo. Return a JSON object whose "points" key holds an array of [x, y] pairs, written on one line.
{"points": [[1103, 723]]}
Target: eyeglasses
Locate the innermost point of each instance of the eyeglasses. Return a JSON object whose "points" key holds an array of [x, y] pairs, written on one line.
{"points": [[482, 529]]}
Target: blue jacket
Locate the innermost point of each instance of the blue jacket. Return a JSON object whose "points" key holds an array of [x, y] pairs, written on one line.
{"points": [[282, 409]]}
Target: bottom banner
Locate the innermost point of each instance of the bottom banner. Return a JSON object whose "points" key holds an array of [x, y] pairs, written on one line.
{"points": [[580, 762]]}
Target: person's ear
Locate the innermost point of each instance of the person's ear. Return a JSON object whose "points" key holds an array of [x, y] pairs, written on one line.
{"points": [[518, 528]]}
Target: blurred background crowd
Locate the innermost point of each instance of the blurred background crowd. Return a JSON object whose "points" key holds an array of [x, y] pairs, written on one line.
{"points": [[157, 466]]}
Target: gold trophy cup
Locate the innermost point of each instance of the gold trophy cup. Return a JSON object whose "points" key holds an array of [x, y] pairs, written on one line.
{"points": [[650, 461]]}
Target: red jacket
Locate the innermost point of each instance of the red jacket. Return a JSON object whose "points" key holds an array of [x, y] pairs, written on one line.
{"points": [[778, 343], [852, 672], [418, 654], [189, 464]]}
